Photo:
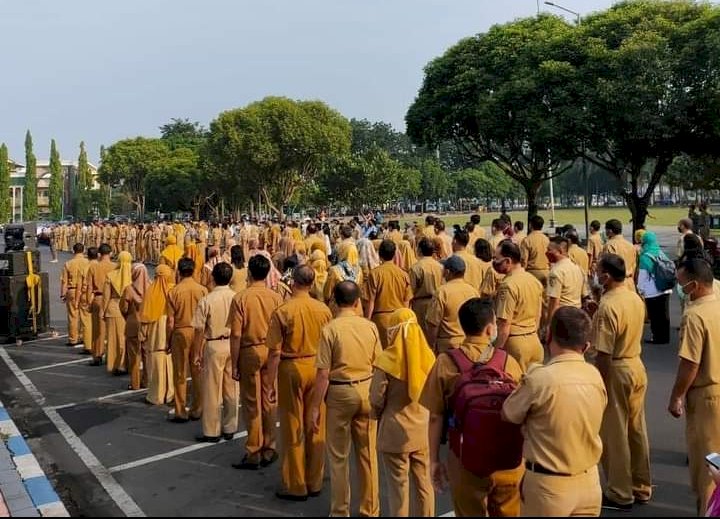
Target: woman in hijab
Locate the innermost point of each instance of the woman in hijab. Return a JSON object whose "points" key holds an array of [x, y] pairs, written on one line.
{"points": [[398, 380], [318, 262], [171, 254], [192, 251], [300, 252], [117, 281], [369, 258], [343, 271], [154, 318], [237, 260], [130, 303], [274, 276], [405, 256], [657, 302]]}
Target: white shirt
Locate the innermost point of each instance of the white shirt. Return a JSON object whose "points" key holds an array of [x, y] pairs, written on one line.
{"points": [[646, 285]]}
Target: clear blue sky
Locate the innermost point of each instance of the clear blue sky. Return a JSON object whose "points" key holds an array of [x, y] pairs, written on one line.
{"points": [[103, 70]]}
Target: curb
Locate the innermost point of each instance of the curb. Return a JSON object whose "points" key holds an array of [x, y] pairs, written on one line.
{"points": [[25, 488]]}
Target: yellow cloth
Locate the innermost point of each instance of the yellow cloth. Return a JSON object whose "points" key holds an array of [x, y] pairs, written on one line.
{"points": [[408, 356], [34, 285], [318, 262], [153, 306], [172, 252], [347, 251], [639, 235], [121, 277]]}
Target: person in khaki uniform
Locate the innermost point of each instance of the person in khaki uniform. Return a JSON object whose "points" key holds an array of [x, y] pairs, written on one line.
{"points": [[697, 385], [400, 374], [476, 232], [618, 245], [443, 241], [617, 337], [182, 301], [496, 231], [472, 496], [577, 254], [533, 250], [83, 302], [519, 233], [211, 351], [292, 342], [96, 277], [117, 281], [444, 330], [70, 287], [426, 276], [130, 304], [474, 268], [387, 289], [567, 285], [560, 406], [349, 345], [491, 278], [249, 321], [518, 306]]}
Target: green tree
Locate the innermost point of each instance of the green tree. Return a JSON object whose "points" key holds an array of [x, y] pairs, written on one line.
{"points": [[30, 197], [127, 163], [172, 182], [367, 135], [695, 173], [182, 133], [82, 197], [55, 191], [509, 96], [274, 146], [434, 181], [5, 208]]}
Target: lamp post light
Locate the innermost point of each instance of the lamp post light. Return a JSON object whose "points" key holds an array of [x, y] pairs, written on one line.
{"points": [[570, 11]]}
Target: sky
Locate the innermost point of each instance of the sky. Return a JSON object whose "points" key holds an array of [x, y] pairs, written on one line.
{"points": [[101, 71]]}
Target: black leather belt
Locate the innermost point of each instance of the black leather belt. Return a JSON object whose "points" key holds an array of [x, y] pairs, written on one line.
{"points": [[539, 469], [221, 338], [348, 382]]}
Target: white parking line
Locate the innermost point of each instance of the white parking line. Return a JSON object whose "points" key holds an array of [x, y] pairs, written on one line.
{"points": [[101, 398], [48, 366], [31, 341], [117, 493]]}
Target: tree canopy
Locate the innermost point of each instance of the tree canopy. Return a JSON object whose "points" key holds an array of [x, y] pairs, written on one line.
{"points": [[30, 198], [5, 208], [55, 191]]}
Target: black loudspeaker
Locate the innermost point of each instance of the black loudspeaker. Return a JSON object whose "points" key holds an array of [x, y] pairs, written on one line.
{"points": [[16, 322], [15, 263]]}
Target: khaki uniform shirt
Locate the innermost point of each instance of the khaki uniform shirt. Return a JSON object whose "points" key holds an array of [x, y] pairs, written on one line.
{"points": [[561, 406], [623, 248], [474, 269], [296, 325], [445, 306], [618, 324], [580, 258], [495, 240], [239, 280], [594, 247], [533, 250], [183, 299], [211, 314], [349, 345], [491, 282], [519, 237], [700, 337], [519, 300], [73, 271], [97, 274], [477, 234], [441, 380], [250, 314], [426, 277], [567, 283], [389, 286]]}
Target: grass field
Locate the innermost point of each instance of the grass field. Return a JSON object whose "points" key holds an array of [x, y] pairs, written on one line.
{"points": [[658, 217]]}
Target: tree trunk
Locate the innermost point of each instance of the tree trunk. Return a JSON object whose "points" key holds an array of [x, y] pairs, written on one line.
{"points": [[531, 191], [638, 206]]}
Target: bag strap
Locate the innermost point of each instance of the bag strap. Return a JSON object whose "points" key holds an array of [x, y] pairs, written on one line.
{"points": [[461, 361], [498, 360]]}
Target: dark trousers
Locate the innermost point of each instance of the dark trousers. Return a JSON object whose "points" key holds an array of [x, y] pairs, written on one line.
{"points": [[659, 315]]}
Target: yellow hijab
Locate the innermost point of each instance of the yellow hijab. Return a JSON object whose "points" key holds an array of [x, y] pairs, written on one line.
{"points": [[153, 306], [318, 262], [347, 251], [172, 252], [408, 357], [121, 277]]}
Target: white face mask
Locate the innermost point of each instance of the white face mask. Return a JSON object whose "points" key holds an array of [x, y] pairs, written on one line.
{"points": [[494, 336], [679, 291]]}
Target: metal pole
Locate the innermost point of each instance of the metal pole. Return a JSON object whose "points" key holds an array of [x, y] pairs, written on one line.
{"points": [[587, 196], [552, 202]]}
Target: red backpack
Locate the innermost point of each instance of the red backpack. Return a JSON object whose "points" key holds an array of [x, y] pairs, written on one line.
{"points": [[479, 437]]}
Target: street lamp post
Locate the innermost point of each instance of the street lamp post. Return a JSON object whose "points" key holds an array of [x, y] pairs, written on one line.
{"points": [[570, 11]]}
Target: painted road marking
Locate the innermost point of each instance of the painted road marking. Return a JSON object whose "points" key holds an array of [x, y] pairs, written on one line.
{"points": [[117, 493], [57, 364]]}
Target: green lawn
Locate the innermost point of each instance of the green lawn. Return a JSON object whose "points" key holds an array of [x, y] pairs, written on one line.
{"points": [[659, 216]]}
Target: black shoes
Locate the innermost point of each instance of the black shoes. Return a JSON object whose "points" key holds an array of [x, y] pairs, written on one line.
{"points": [[269, 461], [228, 436], [609, 504], [290, 497], [178, 419], [207, 439], [314, 494], [246, 465]]}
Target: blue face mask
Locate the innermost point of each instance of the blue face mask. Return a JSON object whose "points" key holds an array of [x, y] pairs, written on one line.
{"points": [[680, 292]]}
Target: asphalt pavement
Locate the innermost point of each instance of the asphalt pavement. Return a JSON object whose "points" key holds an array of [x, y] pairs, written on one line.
{"points": [[108, 453]]}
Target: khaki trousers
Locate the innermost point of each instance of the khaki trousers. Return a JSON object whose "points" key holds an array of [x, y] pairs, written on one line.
{"points": [[421, 307], [496, 496], [542, 276], [544, 495], [86, 323], [115, 331], [349, 424], [703, 437], [400, 468], [526, 349], [382, 321], [98, 328], [259, 414], [220, 391], [302, 452], [135, 357], [158, 372], [73, 315], [626, 453], [181, 342]]}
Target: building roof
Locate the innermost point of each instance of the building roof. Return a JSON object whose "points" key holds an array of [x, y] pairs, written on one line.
{"points": [[45, 163]]}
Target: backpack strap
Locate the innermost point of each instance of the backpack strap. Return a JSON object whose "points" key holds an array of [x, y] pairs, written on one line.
{"points": [[462, 362], [498, 360]]}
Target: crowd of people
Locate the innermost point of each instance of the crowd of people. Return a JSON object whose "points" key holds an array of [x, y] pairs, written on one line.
{"points": [[367, 336]]}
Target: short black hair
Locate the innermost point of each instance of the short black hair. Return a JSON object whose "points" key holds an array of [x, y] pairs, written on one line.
{"points": [[346, 231], [475, 314], [104, 249], [570, 328], [573, 237], [698, 270], [346, 293], [186, 267], [92, 253], [614, 266], [394, 225], [429, 220], [78, 248], [462, 237], [303, 276], [511, 250], [222, 273], [537, 222], [439, 225], [614, 225], [475, 219], [519, 226], [311, 228], [561, 241], [426, 246], [259, 267], [483, 250], [387, 250], [497, 223], [595, 225]]}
